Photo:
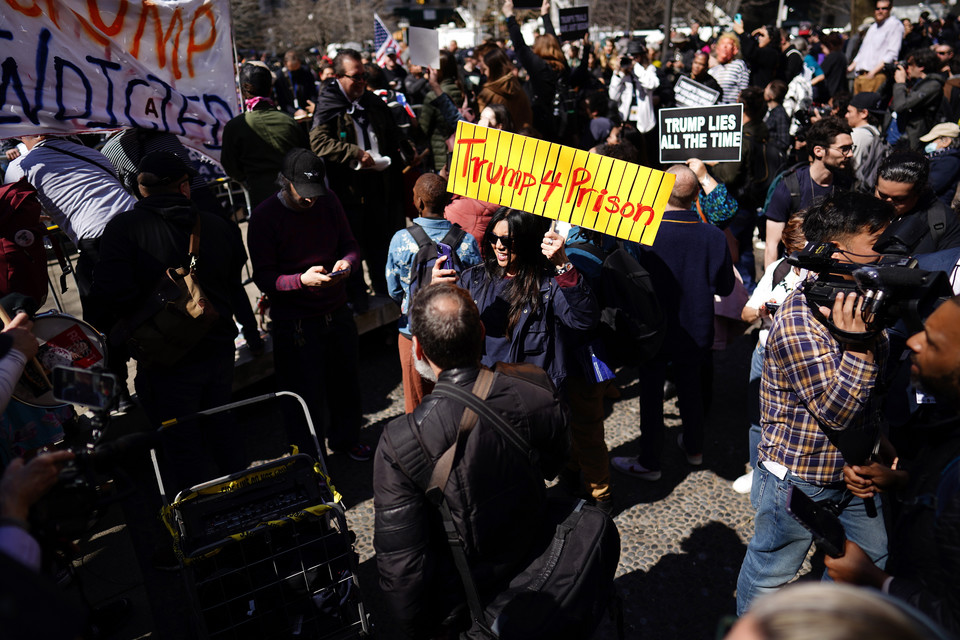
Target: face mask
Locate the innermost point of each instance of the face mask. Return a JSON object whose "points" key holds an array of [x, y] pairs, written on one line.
{"points": [[931, 147]]}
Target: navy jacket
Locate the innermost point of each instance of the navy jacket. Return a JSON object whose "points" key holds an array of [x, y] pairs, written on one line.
{"points": [[689, 262], [542, 335]]}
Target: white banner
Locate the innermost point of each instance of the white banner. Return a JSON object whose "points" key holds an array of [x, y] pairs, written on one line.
{"points": [[72, 66]]}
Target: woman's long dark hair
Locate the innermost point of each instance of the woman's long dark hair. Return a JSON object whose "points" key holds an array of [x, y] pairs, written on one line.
{"points": [[524, 288], [449, 69]]}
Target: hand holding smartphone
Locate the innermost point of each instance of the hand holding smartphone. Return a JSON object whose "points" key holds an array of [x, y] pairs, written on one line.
{"points": [[446, 251]]}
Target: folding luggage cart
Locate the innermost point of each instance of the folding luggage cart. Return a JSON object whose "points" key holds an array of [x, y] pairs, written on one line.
{"points": [[266, 552]]}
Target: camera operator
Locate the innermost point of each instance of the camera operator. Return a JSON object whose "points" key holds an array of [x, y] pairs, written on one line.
{"points": [[816, 393], [923, 223], [925, 544]]}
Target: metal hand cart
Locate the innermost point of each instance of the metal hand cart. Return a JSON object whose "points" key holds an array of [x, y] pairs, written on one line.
{"points": [[266, 552]]}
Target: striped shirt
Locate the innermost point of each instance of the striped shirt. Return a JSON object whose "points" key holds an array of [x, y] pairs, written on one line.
{"points": [[810, 382], [733, 78]]}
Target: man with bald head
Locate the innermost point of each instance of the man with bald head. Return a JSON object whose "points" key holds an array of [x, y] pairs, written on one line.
{"points": [[689, 263], [429, 198]]}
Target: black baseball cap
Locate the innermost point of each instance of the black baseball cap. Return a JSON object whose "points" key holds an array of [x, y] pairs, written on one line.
{"points": [[869, 100], [306, 172], [163, 168]]}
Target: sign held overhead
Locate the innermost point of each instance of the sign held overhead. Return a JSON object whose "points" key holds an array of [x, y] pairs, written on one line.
{"points": [[574, 22], [562, 183], [712, 134]]}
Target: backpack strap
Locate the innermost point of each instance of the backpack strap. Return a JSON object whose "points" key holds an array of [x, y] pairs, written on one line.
{"points": [[454, 236], [937, 220], [781, 272], [792, 182], [444, 466], [84, 159], [419, 235], [441, 474]]}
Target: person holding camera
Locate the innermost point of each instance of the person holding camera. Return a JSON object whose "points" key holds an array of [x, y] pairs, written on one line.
{"points": [[631, 88], [918, 106], [925, 544], [817, 393]]}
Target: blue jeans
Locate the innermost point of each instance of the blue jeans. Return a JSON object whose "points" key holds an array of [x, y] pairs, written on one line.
{"points": [[780, 543], [753, 402]]}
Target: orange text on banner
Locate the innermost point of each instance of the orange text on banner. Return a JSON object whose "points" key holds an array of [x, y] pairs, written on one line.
{"points": [[562, 183]]}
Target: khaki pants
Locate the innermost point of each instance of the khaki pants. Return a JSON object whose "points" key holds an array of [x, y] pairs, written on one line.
{"points": [[588, 449], [862, 83]]}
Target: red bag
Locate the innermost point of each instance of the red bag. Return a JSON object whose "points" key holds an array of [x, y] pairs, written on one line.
{"points": [[23, 258]]}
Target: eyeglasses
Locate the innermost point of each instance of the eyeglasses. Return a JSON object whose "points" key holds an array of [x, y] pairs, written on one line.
{"points": [[846, 149], [886, 8], [358, 77], [943, 53], [506, 241]]}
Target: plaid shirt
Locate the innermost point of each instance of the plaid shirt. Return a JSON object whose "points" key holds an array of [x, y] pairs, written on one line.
{"points": [[810, 382]]}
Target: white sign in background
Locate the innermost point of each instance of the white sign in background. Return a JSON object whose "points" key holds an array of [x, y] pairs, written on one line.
{"points": [[73, 66]]}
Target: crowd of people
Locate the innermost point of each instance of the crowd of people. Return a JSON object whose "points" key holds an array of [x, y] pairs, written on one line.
{"points": [[345, 163]]}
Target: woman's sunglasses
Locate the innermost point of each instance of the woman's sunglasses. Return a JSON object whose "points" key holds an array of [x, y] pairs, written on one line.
{"points": [[506, 241]]}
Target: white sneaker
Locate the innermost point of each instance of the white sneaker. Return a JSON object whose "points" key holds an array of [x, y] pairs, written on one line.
{"points": [[631, 467], [744, 483]]}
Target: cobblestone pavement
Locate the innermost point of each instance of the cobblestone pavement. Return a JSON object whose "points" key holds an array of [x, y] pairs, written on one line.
{"points": [[682, 538]]}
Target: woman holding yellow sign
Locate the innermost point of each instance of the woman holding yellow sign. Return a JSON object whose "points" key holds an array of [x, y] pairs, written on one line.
{"points": [[531, 299]]}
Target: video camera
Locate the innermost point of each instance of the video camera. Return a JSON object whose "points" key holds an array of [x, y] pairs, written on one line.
{"points": [[77, 500], [893, 289]]}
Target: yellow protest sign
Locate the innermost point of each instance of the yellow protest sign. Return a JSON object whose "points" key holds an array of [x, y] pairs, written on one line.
{"points": [[550, 180]]}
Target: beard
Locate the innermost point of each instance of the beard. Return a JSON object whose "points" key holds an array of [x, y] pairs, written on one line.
{"points": [[422, 366], [945, 389]]}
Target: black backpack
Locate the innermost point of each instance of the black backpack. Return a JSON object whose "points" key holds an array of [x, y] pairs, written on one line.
{"points": [[789, 177], [632, 326], [426, 255], [870, 164], [762, 167]]}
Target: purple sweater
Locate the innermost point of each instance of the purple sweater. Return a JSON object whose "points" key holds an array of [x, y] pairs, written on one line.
{"points": [[285, 243]]}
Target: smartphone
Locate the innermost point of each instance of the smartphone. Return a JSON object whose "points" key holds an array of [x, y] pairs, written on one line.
{"points": [[445, 250], [336, 273], [819, 520], [738, 18], [771, 307], [86, 387]]}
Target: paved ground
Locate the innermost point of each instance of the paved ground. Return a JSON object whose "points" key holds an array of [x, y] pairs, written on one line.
{"points": [[682, 538]]}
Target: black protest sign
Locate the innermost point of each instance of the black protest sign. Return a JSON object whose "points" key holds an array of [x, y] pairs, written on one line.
{"points": [[712, 134], [690, 93], [574, 22]]}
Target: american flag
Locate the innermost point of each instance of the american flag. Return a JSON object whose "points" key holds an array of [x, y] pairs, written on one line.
{"points": [[382, 39]]}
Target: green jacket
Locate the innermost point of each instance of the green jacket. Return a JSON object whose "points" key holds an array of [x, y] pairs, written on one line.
{"points": [[434, 126], [254, 144]]}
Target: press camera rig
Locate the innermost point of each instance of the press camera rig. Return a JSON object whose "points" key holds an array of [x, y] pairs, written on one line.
{"points": [[892, 287]]}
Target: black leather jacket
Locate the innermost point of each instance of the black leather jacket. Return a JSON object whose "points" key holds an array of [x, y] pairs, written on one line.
{"points": [[495, 494]]}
